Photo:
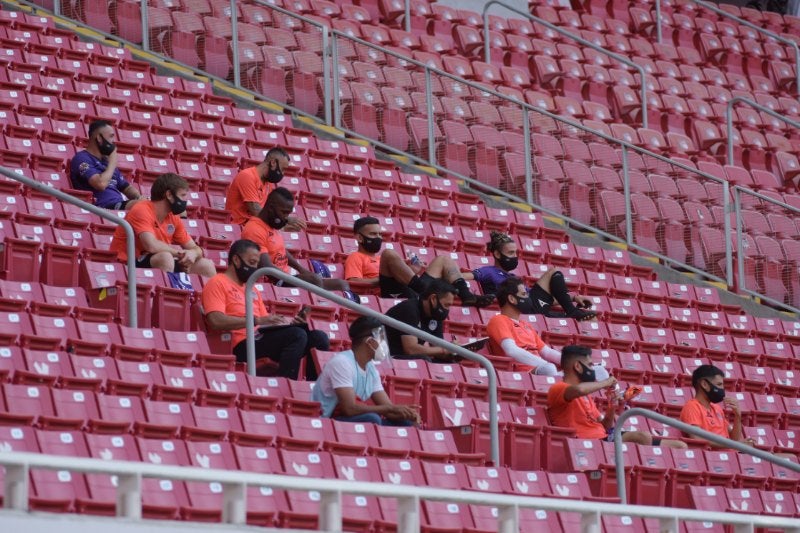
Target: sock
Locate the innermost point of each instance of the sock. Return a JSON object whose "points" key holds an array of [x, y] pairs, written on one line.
{"points": [[558, 289], [417, 285], [463, 289]]}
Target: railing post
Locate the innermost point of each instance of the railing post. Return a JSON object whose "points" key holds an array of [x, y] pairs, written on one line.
{"points": [[590, 522], [626, 189], [336, 90], [527, 154], [431, 118], [669, 525], [57, 7], [16, 487], [234, 503], [408, 515], [237, 68], [330, 511], [658, 21], [726, 205], [737, 211], [326, 75], [407, 20], [508, 519], [129, 496], [145, 23], [487, 54], [729, 128]]}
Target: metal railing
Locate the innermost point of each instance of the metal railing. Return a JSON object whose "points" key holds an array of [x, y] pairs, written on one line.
{"points": [[723, 13], [234, 485], [619, 456], [386, 320], [625, 61], [102, 213], [729, 120]]}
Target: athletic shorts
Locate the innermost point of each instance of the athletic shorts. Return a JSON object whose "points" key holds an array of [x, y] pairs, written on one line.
{"points": [[542, 300], [391, 288], [143, 261]]}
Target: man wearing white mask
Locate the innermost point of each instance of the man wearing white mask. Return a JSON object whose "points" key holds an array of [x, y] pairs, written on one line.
{"points": [[350, 379]]}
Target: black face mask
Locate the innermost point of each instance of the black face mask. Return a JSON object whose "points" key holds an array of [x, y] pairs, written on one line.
{"points": [[508, 263], [588, 374], [106, 148], [715, 394], [439, 313], [274, 175], [276, 222], [371, 244], [243, 271], [178, 206], [524, 305]]}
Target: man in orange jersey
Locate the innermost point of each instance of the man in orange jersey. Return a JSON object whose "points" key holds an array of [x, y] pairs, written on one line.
{"points": [[515, 338], [161, 239], [278, 338], [397, 278], [249, 189], [265, 230], [570, 404]]}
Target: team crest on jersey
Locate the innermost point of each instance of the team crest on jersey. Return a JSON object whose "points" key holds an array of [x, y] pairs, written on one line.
{"points": [[83, 167]]}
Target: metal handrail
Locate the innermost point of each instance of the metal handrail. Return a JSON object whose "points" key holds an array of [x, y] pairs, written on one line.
{"points": [[130, 474], [744, 22], [133, 318], [386, 320], [737, 211], [755, 105], [619, 457], [565, 33]]}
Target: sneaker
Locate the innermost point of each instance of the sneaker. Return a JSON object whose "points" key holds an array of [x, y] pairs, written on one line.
{"points": [[582, 314], [474, 300]]}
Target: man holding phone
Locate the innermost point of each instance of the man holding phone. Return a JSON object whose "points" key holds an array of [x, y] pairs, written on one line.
{"points": [[285, 341]]}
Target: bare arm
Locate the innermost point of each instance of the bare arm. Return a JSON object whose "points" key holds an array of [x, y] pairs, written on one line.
{"points": [[584, 389], [152, 245], [411, 346], [367, 281], [253, 208], [100, 181], [221, 322], [131, 193]]}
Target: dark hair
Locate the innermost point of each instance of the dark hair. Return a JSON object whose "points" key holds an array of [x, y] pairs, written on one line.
{"points": [[498, 240], [705, 372], [96, 125], [276, 152], [439, 287], [361, 328], [572, 352], [364, 221], [241, 246], [167, 182], [280, 192], [509, 286]]}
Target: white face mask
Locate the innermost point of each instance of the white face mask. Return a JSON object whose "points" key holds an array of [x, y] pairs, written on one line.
{"points": [[381, 352]]}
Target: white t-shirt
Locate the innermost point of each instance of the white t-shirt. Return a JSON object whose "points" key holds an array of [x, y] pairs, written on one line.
{"points": [[342, 371]]}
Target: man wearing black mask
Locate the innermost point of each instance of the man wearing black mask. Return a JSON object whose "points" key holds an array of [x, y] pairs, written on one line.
{"points": [[265, 230], [250, 188], [428, 313], [396, 277], [95, 170], [571, 405], [515, 338], [277, 338], [161, 239]]}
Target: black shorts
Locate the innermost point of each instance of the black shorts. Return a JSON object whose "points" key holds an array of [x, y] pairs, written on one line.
{"points": [[542, 300], [143, 261], [391, 288], [610, 438]]}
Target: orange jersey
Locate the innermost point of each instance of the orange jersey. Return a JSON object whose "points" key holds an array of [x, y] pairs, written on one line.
{"points": [[580, 414], [246, 187], [142, 217], [522, 333], [269, 240], [223, 295], [712, 419], [361, 265]]}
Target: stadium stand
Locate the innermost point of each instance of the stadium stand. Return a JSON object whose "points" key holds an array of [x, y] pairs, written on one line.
{"points": [[74, 380]]}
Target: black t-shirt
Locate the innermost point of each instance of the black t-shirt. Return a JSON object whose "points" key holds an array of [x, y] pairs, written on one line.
{"points": [[410, 312]]}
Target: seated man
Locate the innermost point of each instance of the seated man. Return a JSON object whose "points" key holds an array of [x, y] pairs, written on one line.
{"points": [[393, 275], [249, 189], [161, 239], [95, 170], [277, 338], [265, 230], [515, 338], [350, 379], [549, 288], [570, 403], [428, 313]]}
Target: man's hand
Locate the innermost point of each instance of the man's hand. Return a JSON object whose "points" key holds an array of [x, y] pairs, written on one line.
{"points": [[112, 160], [404, 412], [295, 224], [581, 302], [310, 277], [731, 404], [186, 258], [271, 320]]}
